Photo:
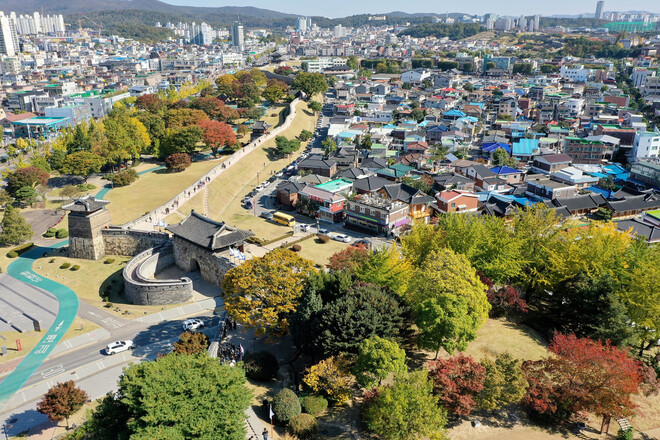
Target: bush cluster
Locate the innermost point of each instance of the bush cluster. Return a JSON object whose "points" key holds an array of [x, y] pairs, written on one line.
{"points": [[65, 265], [19, 250], [109, 261], [303, 426], [123, 178], [314, 405], [285, 406]]}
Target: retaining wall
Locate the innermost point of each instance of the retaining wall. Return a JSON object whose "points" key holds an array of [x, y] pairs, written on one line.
{"points": [[128, 242]]}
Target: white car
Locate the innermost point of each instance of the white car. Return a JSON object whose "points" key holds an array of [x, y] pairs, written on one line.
{"points": [[323, 231], [193, 324], [343, 238], [118, 347]]}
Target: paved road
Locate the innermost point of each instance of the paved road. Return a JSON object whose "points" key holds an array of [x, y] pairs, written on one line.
{"points": [[21, 269]]}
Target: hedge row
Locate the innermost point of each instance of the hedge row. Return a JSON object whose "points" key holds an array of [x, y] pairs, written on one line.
{"points": [[19, 250]]}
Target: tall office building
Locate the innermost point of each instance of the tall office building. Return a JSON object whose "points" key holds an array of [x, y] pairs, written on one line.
{"points": [[237, 36], [8, 36], [599, 9]]}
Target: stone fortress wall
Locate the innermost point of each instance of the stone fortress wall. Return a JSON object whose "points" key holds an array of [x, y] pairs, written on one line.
{"points": [[127, 242], [140, 286]]}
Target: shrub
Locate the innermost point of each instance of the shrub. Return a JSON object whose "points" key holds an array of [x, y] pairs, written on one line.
{"points": [[12, 254], [86, 186], [61, 233], [65, 265], [20, 250], [50, 233], [107, 305], [303, 426], [285, 406], [261, 366], [177, 161], [123, 178], [324, 238], [296, 248], [52, 260], [109, 261], [75, 267], [627, 434], [314, 405]]}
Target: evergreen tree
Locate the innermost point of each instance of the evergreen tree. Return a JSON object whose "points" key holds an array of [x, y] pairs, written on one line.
{"points": [[15, 229]]}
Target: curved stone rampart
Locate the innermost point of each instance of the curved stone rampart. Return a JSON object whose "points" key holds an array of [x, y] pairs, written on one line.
{"points": [[140, 286]]}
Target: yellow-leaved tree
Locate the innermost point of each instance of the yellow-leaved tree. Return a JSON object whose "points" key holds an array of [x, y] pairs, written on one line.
{"points": [[262, 292]]}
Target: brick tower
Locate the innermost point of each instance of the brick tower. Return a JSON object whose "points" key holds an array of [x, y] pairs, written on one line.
{"points": [[87, 217]]}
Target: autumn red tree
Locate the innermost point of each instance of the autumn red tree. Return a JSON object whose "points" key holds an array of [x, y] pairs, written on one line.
{"points": [[348, 258], [151, 103], [457, 381], [208, 104], [583, 376], [61, 401], [505, 301], [217, 134], [177, 161], [28, 176]]}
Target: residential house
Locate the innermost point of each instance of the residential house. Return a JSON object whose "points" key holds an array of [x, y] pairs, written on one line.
{"points": [[580, 205], [453, 181], [287, 192], [394, 172], [324, 205], [376, 214], [318, 165], [633, 205], [370, 185], [646, 172], [457, 201], [584, 151], [547, 188], [508, 174], [418, 202], [550, 163]]}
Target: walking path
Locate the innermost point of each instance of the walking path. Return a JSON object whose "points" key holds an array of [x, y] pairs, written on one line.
{"points": [[147, 221], [21, 269]]}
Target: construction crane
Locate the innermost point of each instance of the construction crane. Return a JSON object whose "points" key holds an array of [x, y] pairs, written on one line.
{"points": [[93, 22]]}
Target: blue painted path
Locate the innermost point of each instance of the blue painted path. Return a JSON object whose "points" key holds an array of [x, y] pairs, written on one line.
{"points": [[21, 269]]}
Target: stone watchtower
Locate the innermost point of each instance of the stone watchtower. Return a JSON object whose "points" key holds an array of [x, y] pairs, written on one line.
{"points": [[87, 217]]}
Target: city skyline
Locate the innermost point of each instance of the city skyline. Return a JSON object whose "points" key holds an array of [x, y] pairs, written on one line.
{"points": [[476, 7]]}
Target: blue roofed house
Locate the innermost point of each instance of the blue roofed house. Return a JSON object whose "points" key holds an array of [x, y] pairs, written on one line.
{"points": [[525, 149], [508, 174], [453, 115]]}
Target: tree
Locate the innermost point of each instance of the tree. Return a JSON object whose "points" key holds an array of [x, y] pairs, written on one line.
{"points": [[386, 267], [191, 343], [329, 145], [407, 410], [28, 176], [15, 229], [225, 85], [217, 134], [262, 292], [310, 83], [176, 397], [315, 106], [450, 301], [502, 158], [70, 191], [348, 259], [352, 62], [183, 140], [589, 307], [504, 382], [285, 406], [273, 93], [331, 377], [582, 376], [457, 381], [549, 68], [151, 103], [305, 135], [522, 68], [286, 146], [83, 163], [177, 161], [61, 401], [26, 195], [377, 358]]}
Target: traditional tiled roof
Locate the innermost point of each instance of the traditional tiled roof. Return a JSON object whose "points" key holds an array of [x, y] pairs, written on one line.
{"points": [[207, 233], [86, 204], [371, 183], [649, 232]]}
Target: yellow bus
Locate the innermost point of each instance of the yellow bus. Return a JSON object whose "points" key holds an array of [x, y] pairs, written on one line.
{"points": [[284, 219]]}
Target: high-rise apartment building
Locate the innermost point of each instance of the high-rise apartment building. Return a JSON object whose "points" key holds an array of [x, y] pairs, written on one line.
{"points": [[237, 35], [302, 24], [599, 9], [8, 36]]}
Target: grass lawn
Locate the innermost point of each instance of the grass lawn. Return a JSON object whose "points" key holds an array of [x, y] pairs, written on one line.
{"points": [[152, 190], [30, 339], [319, 252], [499, 336], [94, 280]]}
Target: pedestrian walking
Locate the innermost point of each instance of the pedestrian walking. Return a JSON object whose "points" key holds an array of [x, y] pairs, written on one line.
{"points": [[265, 434]]}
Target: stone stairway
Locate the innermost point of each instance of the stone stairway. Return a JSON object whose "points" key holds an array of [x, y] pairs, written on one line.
{"points": [[206, 201]]}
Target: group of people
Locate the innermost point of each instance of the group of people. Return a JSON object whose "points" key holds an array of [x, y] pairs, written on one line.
{"points": [[229, 353]]}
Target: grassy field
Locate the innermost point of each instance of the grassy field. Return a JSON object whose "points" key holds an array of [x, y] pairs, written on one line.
{"points": [[152, 190], [30, 339], [319, 252], [94, 280]]}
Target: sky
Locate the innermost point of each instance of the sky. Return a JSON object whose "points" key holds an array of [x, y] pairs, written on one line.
{"points": [[342, 8]]}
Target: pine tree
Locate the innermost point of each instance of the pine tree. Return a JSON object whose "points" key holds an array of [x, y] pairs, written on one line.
{"points": [[15, 229]]}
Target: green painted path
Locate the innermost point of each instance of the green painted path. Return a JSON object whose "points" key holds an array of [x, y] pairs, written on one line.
{"points": [[21, 269]]}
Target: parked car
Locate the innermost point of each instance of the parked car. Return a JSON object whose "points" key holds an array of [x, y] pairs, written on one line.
{"points": [[323, 231], [362, 243], [343, 238], [304, 227], [192, 324], [118, 347], [267, 215]]}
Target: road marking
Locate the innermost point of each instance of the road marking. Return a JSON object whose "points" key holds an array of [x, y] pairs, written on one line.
{"points": [[112, 322], [58, 369], [59, 326], [94, 314]]}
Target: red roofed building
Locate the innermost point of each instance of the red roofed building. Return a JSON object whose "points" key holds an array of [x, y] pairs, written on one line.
{"points": [[417, 147], [10, 119], [457, 201]]}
